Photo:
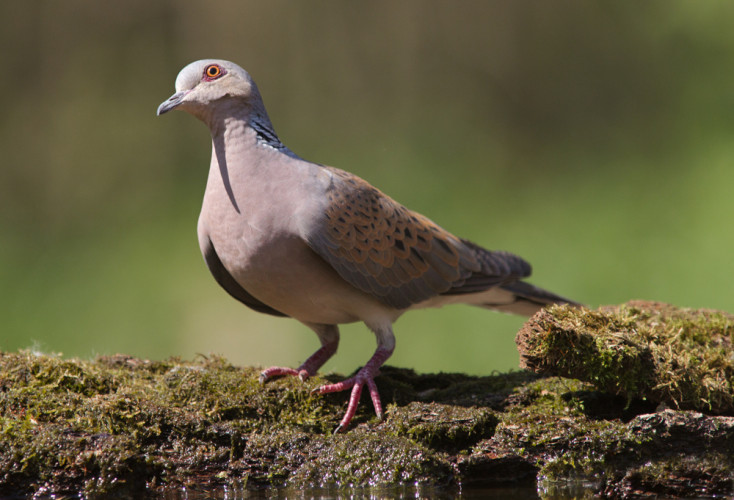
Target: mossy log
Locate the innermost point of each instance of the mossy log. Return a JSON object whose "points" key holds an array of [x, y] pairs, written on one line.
{"points": [[127, 426]]}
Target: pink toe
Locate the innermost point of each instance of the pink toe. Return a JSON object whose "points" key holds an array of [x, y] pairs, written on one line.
{"points": [[356, 384], [276, 371], [338, 387]]}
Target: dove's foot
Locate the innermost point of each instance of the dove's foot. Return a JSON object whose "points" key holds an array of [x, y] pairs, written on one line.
{"points": [[307, 369], [365, 376]]}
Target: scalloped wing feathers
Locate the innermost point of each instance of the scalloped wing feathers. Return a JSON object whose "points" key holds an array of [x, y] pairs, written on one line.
{"points": [[397, 255]]}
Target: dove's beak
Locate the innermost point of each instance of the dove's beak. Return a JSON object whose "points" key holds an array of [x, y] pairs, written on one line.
{"points": [[171, 103]]}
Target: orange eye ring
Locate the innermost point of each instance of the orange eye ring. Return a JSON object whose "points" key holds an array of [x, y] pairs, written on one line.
{"points": [[213, 71]]}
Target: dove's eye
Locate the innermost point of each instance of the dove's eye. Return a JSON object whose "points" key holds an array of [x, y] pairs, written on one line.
{"points": [[213, 71]]}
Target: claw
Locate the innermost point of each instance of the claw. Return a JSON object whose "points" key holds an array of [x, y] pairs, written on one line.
{"points": [[365, 376]]}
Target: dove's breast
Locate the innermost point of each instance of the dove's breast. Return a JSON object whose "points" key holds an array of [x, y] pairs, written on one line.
{"points": [[254, 217]]}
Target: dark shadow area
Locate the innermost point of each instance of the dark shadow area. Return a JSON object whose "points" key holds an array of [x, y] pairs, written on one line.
{"points": [[605, 406]]}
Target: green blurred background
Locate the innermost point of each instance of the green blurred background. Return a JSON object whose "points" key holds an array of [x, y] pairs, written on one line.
{"points": [[595, 139]]}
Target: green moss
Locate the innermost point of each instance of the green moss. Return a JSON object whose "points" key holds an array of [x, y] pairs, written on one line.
{"points": [[374, 459], [679, 357], [705, 475], [119, 425], [442, 426], [553, 427], [122, 424], [118, 416]]}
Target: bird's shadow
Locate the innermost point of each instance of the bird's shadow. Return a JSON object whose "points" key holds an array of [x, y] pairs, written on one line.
{"points": [[402, 386], [498, 391]]}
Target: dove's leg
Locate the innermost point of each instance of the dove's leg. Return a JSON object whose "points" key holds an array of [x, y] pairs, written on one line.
{"points": [[365, 376], [329, 337]]}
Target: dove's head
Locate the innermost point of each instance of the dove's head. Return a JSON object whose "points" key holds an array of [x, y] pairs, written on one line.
{"points": [[205, 85]]}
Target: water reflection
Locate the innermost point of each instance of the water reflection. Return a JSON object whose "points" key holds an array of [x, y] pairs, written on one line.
{"points": [[563, 491]]}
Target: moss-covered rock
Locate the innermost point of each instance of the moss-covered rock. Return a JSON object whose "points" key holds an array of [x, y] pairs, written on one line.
{"points": [[120, 424], [682, 358], [126, 426]]}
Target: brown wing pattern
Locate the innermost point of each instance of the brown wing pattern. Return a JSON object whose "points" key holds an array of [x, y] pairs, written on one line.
{"points": [[497, 268], [386, 250]]}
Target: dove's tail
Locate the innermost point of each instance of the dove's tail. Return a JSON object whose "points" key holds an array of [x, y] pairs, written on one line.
{"points": [[529, 299]]}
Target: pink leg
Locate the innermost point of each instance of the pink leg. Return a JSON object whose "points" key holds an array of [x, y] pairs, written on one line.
{"points": [[329, 336], [364, 376], [307, 369]]}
